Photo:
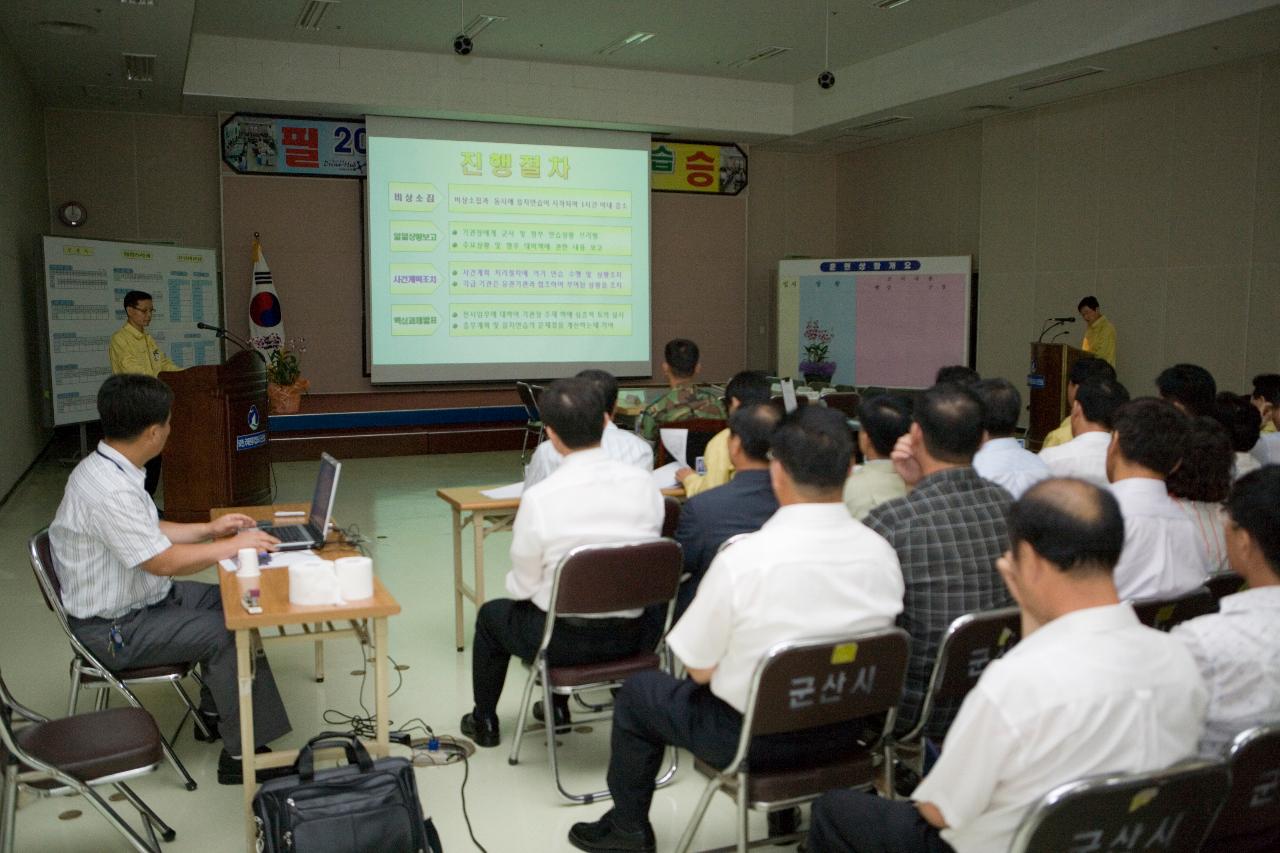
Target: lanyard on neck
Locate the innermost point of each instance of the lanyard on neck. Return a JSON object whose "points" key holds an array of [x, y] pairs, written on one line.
{"points": [[109, 459]]}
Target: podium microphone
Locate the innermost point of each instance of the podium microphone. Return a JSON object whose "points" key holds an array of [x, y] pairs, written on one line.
{"points": [[1063, 319], [220, 332]]}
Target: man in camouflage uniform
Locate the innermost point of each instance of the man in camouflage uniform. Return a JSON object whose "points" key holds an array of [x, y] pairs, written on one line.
{"points": [[685, 400]]}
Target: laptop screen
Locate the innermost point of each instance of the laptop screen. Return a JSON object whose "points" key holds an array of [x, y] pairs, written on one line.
{"points": [[326, 486]]}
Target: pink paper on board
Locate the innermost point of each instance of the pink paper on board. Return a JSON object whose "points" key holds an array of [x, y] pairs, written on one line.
{"points": [[908, 313]]}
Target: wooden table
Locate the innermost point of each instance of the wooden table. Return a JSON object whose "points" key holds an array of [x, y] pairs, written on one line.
{"points": [[486, 516], [317, 625]]}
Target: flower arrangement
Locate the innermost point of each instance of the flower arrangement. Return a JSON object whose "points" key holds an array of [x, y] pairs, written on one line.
{"points": [[818, 342], [285, 385]]}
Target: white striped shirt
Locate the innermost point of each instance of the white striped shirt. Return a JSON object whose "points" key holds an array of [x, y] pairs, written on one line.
{"points": [[106, 527], [626, 447]]}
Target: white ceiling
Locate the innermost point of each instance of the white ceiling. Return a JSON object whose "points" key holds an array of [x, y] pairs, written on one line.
{"points": [[693, 37]]}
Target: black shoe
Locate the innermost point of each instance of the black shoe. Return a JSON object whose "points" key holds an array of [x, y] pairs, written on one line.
{"points": [[564, 722], [604, 836], [483, 731], [211, 723], [784, 822], [231, 771]]}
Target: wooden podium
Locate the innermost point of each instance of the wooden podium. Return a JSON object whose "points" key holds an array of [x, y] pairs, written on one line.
{"points": [[1050, 369], [217, 454]]}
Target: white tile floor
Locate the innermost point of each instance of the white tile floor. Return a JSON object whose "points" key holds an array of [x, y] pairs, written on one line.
{"points": [[394, 504]]}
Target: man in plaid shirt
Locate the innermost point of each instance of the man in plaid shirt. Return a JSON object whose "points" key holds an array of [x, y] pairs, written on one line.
{"points": [[948, 531]]}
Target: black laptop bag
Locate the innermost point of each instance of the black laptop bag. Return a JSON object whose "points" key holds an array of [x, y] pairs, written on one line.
{"points": [[364, 806]]}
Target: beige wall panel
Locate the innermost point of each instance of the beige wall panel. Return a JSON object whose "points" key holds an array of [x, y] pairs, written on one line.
{"points": [[968, 155], [1266, 206], [178, 179], [1007, 324], [1135, 300], [1206, 319], [1008, 207], [1134, 183], [93, 160], [1069, 157], [1215, 154], [1262, 354], [1056, 295]]}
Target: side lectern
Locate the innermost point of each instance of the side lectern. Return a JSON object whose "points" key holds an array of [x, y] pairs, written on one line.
{"points": [[1050, 369], [217, 454]]}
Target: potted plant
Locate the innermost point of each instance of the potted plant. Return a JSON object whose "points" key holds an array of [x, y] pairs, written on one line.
{"points": [[816, 368], [285, 385]]}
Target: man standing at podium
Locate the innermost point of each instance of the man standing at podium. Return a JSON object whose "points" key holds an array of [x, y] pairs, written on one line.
{"points": [[132, 350], [1100, 337]]}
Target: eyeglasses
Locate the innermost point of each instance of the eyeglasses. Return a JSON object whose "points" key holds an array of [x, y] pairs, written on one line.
{"points": [[142, 310]]}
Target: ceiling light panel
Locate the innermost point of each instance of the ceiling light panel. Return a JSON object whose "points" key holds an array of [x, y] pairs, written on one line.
{"points": [[1061, 77], [760, 55], [890, 4], [633, 40], [480, 23], [313, 12], [883, 122], [139, 67]]}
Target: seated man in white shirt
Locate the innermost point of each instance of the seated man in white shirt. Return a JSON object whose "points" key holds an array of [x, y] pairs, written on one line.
{"points": [[1266, 396], [883, 420], [1088, 690], [810, 571], [1085, 456], [116, 561], [1001, 459], [1163, 552], [621, 445], [1236, 647], [591, 499]]}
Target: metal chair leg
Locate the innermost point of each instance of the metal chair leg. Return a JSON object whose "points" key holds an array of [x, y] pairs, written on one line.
{"points": [[8, 807], [699, 811], [192, 711], [172, 756], [148, 814], [521, 721], [73, 698], [121, 825], [743, 811]]}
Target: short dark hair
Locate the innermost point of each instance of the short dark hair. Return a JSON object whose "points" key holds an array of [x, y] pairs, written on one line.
{"points": [[754, 426], [1152, 433], [1240, 418], [950, 416], [1254, 504], [814, 446], [574, 408], [1090, 302], [1207, 463], [1099, 399], [128, 403], [1188, 384], [605, 383], [748, 387], [1075, 525], [1092, 367], [1003, 405], [133, 297], [885, 419], [681, 355], [1267, 386], [960, 374]]}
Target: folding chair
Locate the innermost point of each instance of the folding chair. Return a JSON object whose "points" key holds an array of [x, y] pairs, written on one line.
{"points": [[1168, 811], [844, 402], [1222, 584], [970, 643], [87, 672], [802, 685], [1249, 821], [533, 418], [670, 517], [594, 579], [701, 431], [72, 756], [1163, 613]]}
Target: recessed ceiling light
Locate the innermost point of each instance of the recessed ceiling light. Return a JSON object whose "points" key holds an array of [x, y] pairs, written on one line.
{"points": [[760, 55], [140, 67], [313, 12], [883, 122], [633, 40], [480, 23], [137, 2], [1061, 77], [986, 108], [66, 28], [890, 4]]}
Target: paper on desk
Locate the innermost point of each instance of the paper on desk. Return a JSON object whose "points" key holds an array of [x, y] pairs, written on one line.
{"points": [[503, 493], [676, 441], [665, 477], [278, 559], [789, 403]]}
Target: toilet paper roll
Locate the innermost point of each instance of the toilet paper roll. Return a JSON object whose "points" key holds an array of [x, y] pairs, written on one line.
{"points": [[313, 582], [247, 562], [355, 577]]}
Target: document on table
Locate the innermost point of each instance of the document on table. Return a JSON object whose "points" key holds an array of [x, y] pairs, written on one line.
{"points": [[504, 493], [276, 560], [676, 441], [665, 477]]}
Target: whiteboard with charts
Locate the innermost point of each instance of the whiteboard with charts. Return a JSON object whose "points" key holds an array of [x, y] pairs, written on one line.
{"points": [[889, 322], [85, 284]]}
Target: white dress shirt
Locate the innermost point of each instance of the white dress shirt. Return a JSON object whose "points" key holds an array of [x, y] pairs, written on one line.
{"points": [[1239, 658], [106, 527], [1006, 463], [1163, 553], [811, 571], [617, 444], [1084, 456], [1210, 520], [1091, 692], [1267, 450], [590, 499], [1245, 462]]}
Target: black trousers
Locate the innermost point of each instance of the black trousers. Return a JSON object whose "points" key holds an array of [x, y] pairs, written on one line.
{"points": [[507, 628], [654, 709], [859, 822]]}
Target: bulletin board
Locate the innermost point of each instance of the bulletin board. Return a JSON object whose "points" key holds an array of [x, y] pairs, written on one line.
{"points": [[85, 285], [889, 322]]}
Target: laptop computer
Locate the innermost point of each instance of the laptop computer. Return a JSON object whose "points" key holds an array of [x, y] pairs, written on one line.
{"points": [[295, 537]]}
